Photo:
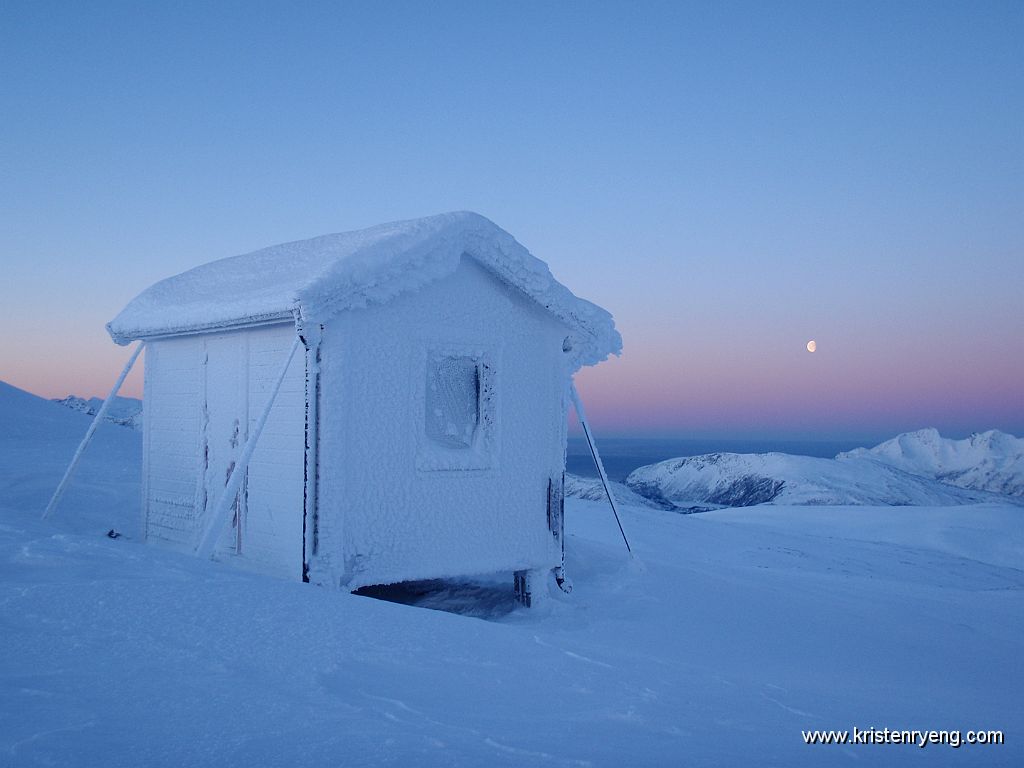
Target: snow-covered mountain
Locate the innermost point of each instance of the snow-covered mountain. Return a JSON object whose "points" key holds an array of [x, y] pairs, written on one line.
{"points": [[985, 461], [742, 480], [126, 411], [590, 489]]}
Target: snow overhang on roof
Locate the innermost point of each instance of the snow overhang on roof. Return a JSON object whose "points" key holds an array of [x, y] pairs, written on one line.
{"points": [[314, 279]]}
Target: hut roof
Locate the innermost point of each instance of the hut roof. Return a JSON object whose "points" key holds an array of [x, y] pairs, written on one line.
{"points": [[319, 277]]}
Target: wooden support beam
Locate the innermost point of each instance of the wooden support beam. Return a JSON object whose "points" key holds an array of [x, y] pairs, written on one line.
{"points": [[100, 414], [578, 405], [522, 588]]}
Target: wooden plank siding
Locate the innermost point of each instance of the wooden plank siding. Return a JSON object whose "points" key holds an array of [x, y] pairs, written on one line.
{"points": [[182, 435]]}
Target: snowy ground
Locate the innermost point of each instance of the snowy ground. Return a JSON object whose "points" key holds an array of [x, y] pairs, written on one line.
{"points": [[733, 632]]}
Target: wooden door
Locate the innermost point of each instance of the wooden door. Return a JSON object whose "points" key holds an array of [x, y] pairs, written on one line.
{"points": [[224, 416]]}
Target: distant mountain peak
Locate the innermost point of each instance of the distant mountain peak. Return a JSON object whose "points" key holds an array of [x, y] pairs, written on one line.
{"points": [[914, 468], [986, 461]]}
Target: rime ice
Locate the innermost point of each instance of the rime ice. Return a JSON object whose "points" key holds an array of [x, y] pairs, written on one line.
{"points": [[422, 433]]}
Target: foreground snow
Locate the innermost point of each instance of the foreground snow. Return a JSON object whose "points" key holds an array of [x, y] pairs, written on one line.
{"points": [[732, 632]]}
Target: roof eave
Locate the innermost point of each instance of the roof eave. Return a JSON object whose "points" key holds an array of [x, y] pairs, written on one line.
{"points": [[150, 334]]}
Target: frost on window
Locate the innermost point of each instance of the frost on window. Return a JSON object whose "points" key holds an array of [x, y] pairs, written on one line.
{"points": [[453, 401], [459, 410]]}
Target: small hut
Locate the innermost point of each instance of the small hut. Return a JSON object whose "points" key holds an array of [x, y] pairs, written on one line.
{"points": [[381, 406]]}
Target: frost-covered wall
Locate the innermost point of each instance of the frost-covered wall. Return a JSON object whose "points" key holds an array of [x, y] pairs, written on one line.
{"points": [[203, 393], [405, 494], [172, 422], [272, 522]]}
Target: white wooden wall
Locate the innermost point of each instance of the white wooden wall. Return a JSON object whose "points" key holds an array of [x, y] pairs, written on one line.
{"points": [[172, 422], [202, 395]]}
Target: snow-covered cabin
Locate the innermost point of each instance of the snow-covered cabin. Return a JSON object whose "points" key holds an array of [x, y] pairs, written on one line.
{"points": [[421, 434]]}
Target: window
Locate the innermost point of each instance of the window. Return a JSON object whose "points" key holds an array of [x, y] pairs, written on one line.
{"points": [[458, 411], [453, 401]]}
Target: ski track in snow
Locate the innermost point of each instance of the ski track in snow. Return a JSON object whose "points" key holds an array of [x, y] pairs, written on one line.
{"points": [[13, 749], [787, 708], [572, 655]]}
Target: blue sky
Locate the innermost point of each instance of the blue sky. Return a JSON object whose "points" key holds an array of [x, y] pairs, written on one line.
{"points": [[729, 179]]}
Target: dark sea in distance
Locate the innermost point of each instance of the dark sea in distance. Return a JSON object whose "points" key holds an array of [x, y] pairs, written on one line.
{"points": [[622, 455]]}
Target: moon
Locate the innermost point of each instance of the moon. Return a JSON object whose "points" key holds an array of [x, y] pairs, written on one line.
{"points": [[812, 345]]}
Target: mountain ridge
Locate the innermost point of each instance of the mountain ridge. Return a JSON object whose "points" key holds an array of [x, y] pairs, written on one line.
{"points": [[985, 461], [914, 468]]}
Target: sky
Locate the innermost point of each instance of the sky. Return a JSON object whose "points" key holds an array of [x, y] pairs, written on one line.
{"points": [[730, 180]]}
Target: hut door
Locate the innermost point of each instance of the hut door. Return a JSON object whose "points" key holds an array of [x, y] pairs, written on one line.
{"points": [[225, 411]]}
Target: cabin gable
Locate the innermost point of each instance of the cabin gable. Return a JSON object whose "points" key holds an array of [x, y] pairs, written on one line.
{"points": [[397, 500]]}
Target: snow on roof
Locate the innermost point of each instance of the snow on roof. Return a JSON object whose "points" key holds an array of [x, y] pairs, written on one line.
{"points": [[319, 277]]}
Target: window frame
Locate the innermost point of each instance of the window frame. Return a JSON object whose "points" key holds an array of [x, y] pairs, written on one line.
{"points": [[481, 454]]}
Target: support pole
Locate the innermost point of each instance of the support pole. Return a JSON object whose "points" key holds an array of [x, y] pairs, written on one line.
{"points": [[100, 414], [578, 405], [216, 522]]}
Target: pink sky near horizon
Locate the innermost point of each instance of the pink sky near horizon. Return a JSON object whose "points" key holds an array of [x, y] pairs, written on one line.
{"points": [[705, 385], [831, 393], [709, 366]]}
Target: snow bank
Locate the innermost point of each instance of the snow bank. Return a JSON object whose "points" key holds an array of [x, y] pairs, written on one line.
{"points": [[319, 277]]}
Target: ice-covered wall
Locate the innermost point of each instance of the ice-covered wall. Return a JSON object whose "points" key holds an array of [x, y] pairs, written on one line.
{"points": [[388, 509], [412, 482], [203, 393], [172, 424], [272, 523]]}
